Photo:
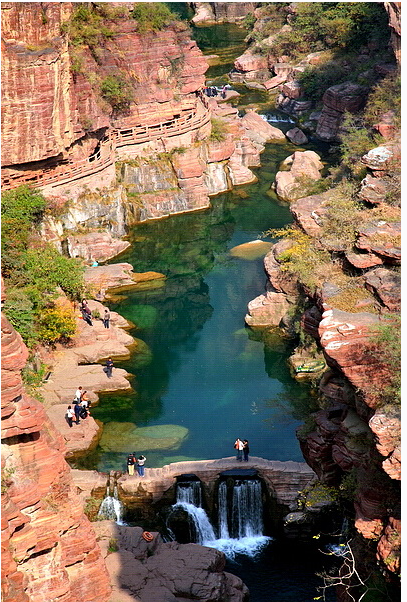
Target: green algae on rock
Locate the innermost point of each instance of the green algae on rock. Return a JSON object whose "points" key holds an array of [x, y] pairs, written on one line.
{"points": [[125, 437]]}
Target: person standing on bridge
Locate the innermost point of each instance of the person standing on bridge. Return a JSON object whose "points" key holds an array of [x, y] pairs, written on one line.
{"points": [[246, 450], [239, 449]]}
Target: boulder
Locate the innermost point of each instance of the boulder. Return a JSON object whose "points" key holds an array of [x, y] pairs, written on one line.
{"points": [[297, 136], [304, 163], [382, 158], [382, 238], [122, 436], [338, 99], [346, 340], [292, 89], [251, 62], [267, 310], [386, 284], [259, 130], [373, 190]]}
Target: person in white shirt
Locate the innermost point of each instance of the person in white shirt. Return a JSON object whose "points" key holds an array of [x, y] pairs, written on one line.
{"points": [[140, 465], [239, 449], [78, 394], [70, 415]]}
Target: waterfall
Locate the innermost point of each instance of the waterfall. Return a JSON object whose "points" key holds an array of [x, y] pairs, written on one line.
{"points": [[240, 516], [190, 493], [247, 509], [275, 118], [111, 507], [223, 511]]}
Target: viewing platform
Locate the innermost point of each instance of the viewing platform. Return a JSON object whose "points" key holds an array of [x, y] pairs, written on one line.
{"points": [[107, 152]]}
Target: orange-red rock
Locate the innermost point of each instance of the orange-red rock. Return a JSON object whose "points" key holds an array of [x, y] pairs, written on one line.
{"points": [[44, 532]]}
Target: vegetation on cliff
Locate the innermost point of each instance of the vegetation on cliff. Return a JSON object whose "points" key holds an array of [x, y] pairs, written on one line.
{"points": [[34, 271]]}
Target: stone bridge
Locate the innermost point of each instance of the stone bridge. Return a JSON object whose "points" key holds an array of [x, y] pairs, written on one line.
{"points": [[284, 480], [191, 117]]}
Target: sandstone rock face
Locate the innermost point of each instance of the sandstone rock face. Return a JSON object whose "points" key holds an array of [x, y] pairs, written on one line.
{"points": [[164, 572], [221, 12], [49, 548], [259, 130], [98, 246], [345, 340], [304, 164], [394, 12], [387, 286], [338, 99], [383, 239], [46, 110], [381, 158]]}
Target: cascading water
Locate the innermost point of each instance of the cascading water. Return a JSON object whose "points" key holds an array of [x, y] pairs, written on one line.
{"points": [[277, 118], [111, 507], [243, 514]]}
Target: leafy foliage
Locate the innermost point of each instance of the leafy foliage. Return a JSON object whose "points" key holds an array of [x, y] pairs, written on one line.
{"points": [[345, 26], [117, 92], [303, 259], [34, 270], [152, 16], [47, 269], [21, 210], [356, 141], [87, 26], [55, 323], [218, 131], [386, 349], [385, 96]]}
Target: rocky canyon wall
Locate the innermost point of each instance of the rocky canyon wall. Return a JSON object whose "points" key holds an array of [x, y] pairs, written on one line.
{"points": [[49, 548]]}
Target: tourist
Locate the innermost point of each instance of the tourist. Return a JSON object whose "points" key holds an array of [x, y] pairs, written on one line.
{"points": [[85, 400], [86, 312], [94, 263], [106, 318], [246, 450], [109, 367], [77, 409], [140, 465], [130, 464], [214, 91], [239, 449], [69, 416], [78, 394], [223, 93]]}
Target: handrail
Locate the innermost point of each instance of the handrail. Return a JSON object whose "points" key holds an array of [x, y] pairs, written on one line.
{"points": [[106, 153]]}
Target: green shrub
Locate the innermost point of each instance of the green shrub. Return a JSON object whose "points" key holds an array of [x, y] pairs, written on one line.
{"points": [[21, 211], [385, 96], [19, 309], [152, 16], [117, 92], [356, 141], [86, 26], [385, 347], [113, 545], [218, 131], [47, 269], [55, 324]]}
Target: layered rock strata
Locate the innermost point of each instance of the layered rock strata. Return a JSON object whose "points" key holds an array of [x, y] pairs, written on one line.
{"points": [[49, 548]]}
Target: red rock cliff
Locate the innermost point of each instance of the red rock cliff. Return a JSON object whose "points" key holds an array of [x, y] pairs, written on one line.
{"points": [[51, 96], [49, 549]]}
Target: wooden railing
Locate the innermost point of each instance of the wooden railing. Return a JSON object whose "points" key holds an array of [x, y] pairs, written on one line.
{"points": [[106, 154]]}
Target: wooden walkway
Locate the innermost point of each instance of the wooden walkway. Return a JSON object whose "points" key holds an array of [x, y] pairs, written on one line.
{"points": [[106, 154]]}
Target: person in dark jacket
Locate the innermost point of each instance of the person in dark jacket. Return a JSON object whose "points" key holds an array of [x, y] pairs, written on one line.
{"points": [[77, 409], [109, 367], [106, 318], [130, 464], [246, 450]]}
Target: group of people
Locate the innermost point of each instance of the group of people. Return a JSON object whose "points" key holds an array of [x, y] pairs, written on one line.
{"points": [[242, 449], [133, 461], [87, 314], [80, 409], [213, 91]]}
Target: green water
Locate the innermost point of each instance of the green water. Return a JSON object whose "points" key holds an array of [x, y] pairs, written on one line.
{"points": [[208, 376], [208, 372], [225, 40]]}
